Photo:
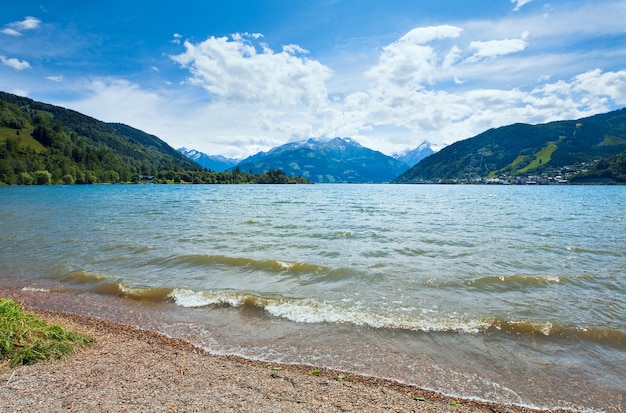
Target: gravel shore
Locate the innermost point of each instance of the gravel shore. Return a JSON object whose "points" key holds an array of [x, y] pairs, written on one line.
{"points": [[132, 370]]}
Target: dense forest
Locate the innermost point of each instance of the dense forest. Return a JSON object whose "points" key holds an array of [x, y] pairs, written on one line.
{"points": [[45, 144]]}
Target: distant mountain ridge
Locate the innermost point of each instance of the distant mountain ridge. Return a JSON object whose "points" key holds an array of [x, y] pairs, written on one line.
{"points": [[412, 157], [522, 149], [327, 161], [217, 163]]}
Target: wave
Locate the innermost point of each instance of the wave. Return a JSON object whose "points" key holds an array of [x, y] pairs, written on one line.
{"points": [[103, 285], [309, 310], [514, 282], [316, 311], [239, 262]]}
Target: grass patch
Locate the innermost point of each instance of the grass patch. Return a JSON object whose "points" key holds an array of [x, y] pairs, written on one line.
{"points": [[510, 167], [24, 136], [541, 158], [25, 339]]}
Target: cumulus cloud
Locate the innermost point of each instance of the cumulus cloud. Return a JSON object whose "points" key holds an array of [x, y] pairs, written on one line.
{"points": [[420, 87], [16, 28], [239, 69], [412, 60], [597, 83], [14, 63]]}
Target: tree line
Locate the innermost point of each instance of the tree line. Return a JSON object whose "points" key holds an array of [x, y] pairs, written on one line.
{"points": [[36, 150]]}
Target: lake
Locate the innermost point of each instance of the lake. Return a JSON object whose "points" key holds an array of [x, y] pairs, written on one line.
{"points": [[514, 294]]}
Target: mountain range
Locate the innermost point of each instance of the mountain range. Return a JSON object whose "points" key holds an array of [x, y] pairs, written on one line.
{"points": [[321, 160], [327, 161], [412, 157], [217, 163], [43, 143]]}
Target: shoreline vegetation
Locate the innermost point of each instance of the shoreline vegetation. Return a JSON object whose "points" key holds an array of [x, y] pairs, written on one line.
{"points": [[128, 369]]}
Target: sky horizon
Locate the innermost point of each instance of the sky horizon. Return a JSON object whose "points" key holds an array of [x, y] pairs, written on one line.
{"points": [[245, 76]]}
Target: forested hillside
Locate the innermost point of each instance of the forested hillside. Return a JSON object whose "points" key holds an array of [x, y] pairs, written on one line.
{"points": [[46, 144], [517, 150]]}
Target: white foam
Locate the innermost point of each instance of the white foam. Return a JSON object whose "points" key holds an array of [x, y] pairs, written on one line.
{"points": [[37, 290], [316, 311], [188, 298], [311, 311], [285, 265]]}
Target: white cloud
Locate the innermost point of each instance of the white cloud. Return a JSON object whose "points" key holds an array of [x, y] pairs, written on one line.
{"points": [[519, 4], [11, 32], [452, 57], [55, 78], [412, 60], [20, 92], [495, 48], [16, 28], [424, 35], [28, 23], [441, 83], [596, 83], [14, 63], [418, 88], [237, 69], [112, 99]]}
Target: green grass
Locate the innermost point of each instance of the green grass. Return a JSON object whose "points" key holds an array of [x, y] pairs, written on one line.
{"points": [[541, 158], [510, 167], [24, 135], [25, 339]]}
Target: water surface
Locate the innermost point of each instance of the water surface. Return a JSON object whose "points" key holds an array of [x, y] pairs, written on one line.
{"points": [[506, 293]]}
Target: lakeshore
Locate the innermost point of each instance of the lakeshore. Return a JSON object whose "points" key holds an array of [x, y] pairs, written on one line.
{"points": [[128, 369]]}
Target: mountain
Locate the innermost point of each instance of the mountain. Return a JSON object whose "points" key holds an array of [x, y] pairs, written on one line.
{"points": [[523, 150], [412, 157], [215, 163], [328, 161], [46, 144]]}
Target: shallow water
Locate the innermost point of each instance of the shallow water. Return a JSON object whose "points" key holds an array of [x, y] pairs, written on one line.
{"points": [[505, 293]]}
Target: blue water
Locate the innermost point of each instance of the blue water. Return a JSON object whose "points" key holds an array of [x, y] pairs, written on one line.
{"points": [[508, 293]]}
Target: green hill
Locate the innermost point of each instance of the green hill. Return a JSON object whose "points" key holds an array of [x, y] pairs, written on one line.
{"points": [[522, 150], [47, 144]]}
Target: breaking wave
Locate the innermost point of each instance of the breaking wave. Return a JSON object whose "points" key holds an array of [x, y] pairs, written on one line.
{"points": [[316, 311]]}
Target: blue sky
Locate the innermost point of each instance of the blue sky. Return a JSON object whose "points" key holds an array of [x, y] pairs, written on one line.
{"points": [[234, 78]]}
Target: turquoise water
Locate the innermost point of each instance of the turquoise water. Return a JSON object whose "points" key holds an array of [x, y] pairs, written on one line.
{"points": [[507, 293]]}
